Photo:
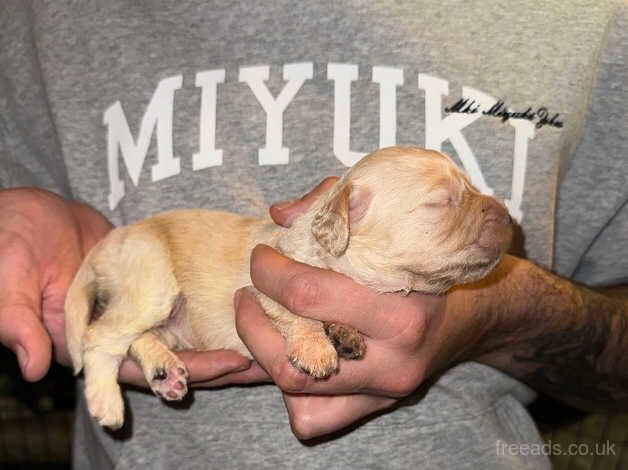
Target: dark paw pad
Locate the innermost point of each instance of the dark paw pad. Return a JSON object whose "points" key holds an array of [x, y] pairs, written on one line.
{"points": [[170, 383], [348, 341], [160, 374]]}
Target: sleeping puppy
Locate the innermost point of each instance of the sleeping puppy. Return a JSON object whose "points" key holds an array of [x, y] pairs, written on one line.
{"points": [[402, 219]]}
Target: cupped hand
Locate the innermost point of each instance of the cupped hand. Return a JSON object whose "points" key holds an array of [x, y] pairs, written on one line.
{"points": [[43, 240], [394, 326], [407, 337], [398, 354]]}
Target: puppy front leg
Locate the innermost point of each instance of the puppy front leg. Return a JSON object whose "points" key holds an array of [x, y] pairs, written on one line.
{"points": [[164, 371], [308, 347]]}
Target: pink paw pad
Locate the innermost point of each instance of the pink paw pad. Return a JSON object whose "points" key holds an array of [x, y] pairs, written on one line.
{"points": [[170, 383]]}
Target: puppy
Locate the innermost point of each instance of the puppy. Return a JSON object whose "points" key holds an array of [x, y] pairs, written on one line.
{"points": [[402, 219]]}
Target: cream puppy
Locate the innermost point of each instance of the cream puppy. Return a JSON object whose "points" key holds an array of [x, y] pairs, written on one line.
{"points": [[402, 219]]}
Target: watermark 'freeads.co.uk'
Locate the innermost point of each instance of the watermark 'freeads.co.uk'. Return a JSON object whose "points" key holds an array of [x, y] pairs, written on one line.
{"points": [[550, 448]]}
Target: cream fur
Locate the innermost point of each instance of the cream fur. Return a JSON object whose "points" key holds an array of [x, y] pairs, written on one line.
{"points": [[401, 219]]}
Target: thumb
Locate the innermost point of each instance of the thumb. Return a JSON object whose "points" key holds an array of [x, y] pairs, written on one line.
{"points": [[23, 332], [21, 327]]}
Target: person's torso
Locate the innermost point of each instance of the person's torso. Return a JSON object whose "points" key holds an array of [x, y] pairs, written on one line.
{"points": [[234, 106]]}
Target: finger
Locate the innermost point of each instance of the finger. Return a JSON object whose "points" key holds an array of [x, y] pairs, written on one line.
{"points": [[258, 333], [21, 328], [202, 366], [254, 374], [313, 416], [382, 371], [23, 333], [403, 372], [326, 295], [130, 373], [283, 213]]}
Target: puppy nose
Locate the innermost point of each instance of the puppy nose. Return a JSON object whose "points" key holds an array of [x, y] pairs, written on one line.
{"points": [[496, 231]]}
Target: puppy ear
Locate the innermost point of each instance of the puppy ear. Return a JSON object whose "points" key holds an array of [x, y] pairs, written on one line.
{"points": [[331, 223]]}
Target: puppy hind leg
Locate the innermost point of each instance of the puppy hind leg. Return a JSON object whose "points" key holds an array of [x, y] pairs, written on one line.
{"points": [[164, 371], [106, 344], [102, 355], [130, 313]]}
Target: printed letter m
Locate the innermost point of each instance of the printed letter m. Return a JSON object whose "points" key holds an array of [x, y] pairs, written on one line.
{"points": [[119, 139]]}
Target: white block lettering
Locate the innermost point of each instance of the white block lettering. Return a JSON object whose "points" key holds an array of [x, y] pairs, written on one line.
{"points": [[389, 79], [343, 75], [208, 155], [295, 74], [119, 139]]}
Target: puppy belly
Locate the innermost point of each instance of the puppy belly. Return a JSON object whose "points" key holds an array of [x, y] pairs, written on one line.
{"points": [[204, 327]]}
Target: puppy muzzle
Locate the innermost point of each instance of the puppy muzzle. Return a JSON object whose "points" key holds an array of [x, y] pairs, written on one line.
{"points": [[496, 231]]}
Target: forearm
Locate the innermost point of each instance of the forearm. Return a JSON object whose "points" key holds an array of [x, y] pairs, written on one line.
{"points": [[560, 338]]}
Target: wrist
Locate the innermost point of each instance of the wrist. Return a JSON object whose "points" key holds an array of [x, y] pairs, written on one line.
{"points": [[480, 317]]}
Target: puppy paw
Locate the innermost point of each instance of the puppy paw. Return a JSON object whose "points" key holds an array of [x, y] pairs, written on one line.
{"points": [[316, 357], [169, 380], [348, 341], [105, 404]]}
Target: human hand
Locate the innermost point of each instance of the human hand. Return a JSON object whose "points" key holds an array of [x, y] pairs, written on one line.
{"points": [[403, 336], [43, 240], [398, 355]]}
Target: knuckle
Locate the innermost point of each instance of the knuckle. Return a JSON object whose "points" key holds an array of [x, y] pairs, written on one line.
{"points": [[14, 242], [302, 293], [16, 252], [28, 199], [303, 425], [412, 328], [407, 382]]}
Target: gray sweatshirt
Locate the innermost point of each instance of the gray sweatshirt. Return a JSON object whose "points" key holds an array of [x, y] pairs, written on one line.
{"points": [[139, 107]]}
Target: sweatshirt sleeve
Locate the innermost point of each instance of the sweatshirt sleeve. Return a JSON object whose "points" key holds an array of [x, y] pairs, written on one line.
{"points": [[592, 209], [30, 154]]}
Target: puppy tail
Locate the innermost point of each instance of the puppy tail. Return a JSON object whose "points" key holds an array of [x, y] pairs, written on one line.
{"points": [[78, 306]]}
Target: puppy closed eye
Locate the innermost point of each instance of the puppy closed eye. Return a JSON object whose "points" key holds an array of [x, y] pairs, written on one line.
{"points": [[451, 198], [437, 200], [433, 205], [440, 203]]}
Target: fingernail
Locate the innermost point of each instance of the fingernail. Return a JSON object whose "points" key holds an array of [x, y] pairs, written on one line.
{"points": [[243, 367], [237, 296], [22, 357], [283, 205]]}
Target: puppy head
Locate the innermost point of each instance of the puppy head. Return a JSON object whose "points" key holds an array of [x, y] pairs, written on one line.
{"points": [[405, 218]]}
